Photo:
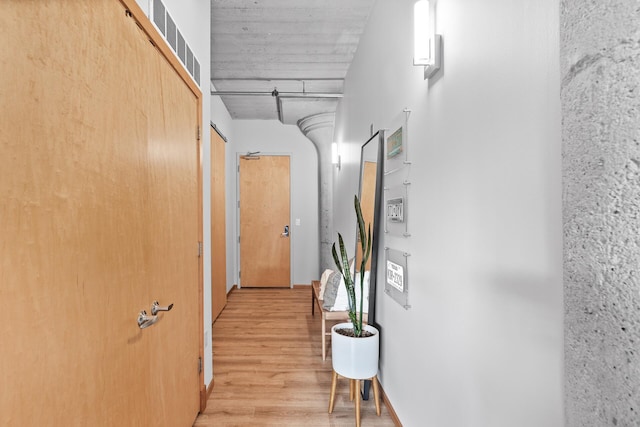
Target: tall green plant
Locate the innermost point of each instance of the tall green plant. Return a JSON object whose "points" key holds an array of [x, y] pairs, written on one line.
{"points": [[342, 262]]}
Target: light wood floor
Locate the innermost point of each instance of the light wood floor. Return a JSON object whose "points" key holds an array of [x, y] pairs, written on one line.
{"points": [[268, 368]]}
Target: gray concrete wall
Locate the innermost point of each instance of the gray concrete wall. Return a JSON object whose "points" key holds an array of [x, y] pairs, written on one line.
{"points": [[600, 92]]}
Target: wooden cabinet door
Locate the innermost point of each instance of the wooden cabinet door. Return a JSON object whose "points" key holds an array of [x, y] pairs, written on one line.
{"points": [[171, 235], [98, 217]]}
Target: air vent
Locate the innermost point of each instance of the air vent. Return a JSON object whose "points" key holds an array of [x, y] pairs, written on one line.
{"points": [[171, 33], [182, 51], [196, 70], [189, 60], [169, 30], [158, 16]]}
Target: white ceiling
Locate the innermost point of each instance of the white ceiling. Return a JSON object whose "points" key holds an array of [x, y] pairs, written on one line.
{"points": [[300, 48]]}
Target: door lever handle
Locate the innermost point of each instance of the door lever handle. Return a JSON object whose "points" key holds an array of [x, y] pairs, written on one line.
{"points": [[155, 308], [144, 320], [286, 231]]}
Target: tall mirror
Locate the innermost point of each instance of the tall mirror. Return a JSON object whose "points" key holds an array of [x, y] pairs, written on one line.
{"points": [[370, 195]]}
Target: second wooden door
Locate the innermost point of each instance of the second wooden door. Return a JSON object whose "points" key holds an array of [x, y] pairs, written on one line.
{"points": [[218, 227], [265, 250]]}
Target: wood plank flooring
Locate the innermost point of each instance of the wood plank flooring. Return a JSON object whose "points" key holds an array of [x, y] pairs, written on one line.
{"points": [[268, 368]]}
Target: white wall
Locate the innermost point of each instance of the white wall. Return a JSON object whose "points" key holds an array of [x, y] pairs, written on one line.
{"points": [[192, 17], [272, 137], [482, 344]]}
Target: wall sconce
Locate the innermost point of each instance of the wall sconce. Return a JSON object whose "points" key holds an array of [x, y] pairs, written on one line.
{"points": [[427, 45], [335, 156]]}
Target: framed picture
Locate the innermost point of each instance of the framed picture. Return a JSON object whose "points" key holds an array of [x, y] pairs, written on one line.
{"points": [[396, 284], [395, 210], [394, 144]]}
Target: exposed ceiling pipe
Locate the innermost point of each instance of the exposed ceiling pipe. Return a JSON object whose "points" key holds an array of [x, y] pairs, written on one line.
{"points": [[278, 107], [270, 93], [275, 92], [276, 79], [277, 95]]}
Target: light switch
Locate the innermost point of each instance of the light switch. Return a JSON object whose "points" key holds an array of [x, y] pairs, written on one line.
{"points": [[297, 221]]}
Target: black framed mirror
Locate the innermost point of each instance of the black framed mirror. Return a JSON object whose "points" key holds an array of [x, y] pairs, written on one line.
{"points": [[370, 195]]}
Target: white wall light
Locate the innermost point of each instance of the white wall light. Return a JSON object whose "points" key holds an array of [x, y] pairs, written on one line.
{"points": [[335, 156], [426, 44]]}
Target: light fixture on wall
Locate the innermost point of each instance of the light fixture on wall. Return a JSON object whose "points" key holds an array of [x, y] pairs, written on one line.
{"points": [[426, 44], [335, 156]]}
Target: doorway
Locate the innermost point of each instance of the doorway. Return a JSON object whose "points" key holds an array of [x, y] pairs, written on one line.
{"points": [[264, 215]]}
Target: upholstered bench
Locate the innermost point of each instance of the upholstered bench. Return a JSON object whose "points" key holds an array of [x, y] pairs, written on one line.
{"points": [[326, 315]]}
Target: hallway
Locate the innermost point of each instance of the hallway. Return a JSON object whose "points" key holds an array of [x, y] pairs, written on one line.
{"points": [[265, 378]]}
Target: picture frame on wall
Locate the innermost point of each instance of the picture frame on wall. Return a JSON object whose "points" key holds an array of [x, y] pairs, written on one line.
{"points": [[394, 143]]}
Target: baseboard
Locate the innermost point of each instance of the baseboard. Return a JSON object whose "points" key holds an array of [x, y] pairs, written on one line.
{"points": [[210, 389], [203, 398], [301, 286], [205, 393], [233, 288], [392, 411]]}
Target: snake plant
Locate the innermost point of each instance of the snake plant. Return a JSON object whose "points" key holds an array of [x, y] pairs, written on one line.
{"points": [[342, 262]]}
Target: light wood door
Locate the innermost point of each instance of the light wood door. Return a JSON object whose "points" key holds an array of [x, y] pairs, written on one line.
{"points": [[98, 217], [218, 226], [264, 214]]}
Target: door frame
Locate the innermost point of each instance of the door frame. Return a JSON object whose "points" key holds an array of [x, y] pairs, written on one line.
{"points": [[238, 219], [165, 50]]}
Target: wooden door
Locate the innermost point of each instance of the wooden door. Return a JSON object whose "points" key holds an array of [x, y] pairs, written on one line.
{"points": [[218, 226], [98, 217], [264, 216]]}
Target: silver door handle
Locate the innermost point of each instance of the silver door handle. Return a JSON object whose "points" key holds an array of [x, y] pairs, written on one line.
{"points": [[155, 308], [286, 231], [144, 321]]}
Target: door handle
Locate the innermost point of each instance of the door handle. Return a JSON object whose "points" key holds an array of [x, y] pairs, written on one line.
{"points": [[155, 308], [286, 231], [144, 320]]}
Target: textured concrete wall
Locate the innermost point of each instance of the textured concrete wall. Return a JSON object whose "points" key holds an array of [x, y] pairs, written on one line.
{"points": [[600, 66]]}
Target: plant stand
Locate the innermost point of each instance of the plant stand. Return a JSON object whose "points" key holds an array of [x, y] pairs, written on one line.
{"points": [[357, 360], [354, 393]]}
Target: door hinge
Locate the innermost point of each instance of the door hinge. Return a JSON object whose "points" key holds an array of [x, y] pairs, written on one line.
{"points": [[198, 132], [238, 239], [238, 168], [199, 364], [238, 204], [199, 249], [239, 274]]}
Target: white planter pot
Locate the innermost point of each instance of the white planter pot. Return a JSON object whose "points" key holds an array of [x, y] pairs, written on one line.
{"points": [[355, 358]]}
